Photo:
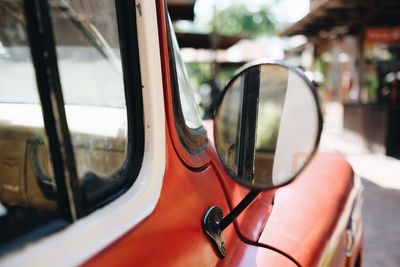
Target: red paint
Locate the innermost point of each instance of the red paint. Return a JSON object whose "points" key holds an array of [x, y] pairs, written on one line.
{"points": [[172, 235], [306, 211], [299, 224]]}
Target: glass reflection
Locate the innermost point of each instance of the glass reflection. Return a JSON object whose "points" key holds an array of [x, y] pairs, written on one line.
{"points": [[229, 117], [273, 87]]}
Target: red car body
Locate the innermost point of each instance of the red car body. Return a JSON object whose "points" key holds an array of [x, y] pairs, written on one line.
{"points": [[303, 223], [313, 221]]}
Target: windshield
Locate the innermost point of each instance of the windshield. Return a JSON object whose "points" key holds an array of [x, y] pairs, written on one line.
{"points": [[188, 103]]}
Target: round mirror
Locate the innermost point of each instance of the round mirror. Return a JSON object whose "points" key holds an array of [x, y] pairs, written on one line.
{"points": [[267, 125]]}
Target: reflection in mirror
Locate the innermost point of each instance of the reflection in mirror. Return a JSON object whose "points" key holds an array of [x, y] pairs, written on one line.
{"points": [[267, 126], [229, 115]]}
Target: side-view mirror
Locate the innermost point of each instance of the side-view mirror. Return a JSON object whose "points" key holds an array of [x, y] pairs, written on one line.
{"points": [[267, 128], [267, 125]]}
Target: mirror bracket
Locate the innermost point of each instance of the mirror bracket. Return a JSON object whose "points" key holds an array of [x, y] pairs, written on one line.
{"points": [[214, 223], [211, 220]]}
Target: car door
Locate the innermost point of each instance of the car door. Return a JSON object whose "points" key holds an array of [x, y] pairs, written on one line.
{"points": [[72, 130]]}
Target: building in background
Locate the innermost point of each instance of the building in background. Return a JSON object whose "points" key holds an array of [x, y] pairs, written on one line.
{"points": [[354, 51], [181, 9], [213, 48], [204, 55]]}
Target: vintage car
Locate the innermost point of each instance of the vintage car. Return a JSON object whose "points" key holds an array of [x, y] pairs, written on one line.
{"points": [[105, 160]]}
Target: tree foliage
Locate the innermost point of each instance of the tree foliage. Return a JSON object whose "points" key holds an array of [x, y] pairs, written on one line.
{"points": [[237, 18]]}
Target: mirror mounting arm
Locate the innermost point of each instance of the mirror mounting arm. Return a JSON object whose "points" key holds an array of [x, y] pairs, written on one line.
{"points": [[246, 201], [214, 223]]}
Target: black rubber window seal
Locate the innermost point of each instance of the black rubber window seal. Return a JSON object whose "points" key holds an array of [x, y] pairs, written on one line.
{"points": [[104, 190]]}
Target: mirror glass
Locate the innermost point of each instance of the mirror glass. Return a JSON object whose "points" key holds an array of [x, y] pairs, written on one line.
{"points": [[267, 125]]}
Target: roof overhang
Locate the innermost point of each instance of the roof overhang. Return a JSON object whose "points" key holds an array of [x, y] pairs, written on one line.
{"points": [[181, 9], [346, 17], [207, 41]]}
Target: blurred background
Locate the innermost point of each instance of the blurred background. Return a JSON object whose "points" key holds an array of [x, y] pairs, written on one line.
{"points": [[351, 52]]}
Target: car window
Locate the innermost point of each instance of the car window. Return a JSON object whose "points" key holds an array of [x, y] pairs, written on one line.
{"points": [[27, 189], [107, 140], [189, 106], [91, 77]]}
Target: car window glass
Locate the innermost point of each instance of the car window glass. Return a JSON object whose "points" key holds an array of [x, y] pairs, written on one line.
{"points": [[186, 95], [87, 45], [27, 189]]}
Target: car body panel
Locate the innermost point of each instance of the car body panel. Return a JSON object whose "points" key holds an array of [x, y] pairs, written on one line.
{"points": [[306, 219], [187, 187], [307, 213], [293, 218], [172, 234]]}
